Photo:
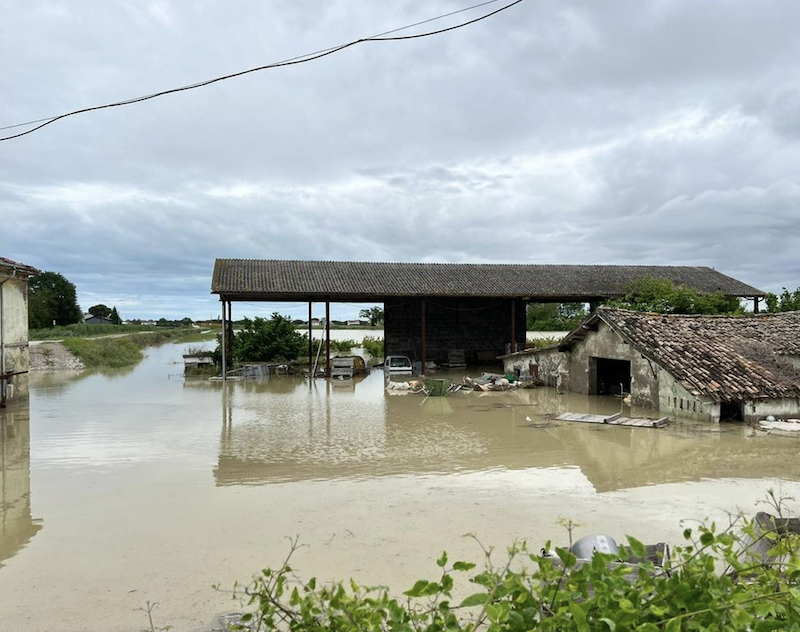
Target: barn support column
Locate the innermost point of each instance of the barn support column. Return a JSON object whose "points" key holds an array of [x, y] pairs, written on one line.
{"points": [[230, 330], [224, 344], [513, 325], [310, 343], [422, 337], [756, 300], [327, 338]]}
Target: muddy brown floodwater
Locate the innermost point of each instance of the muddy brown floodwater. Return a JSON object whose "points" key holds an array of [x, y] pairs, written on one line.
{"points": [[136, 486]]}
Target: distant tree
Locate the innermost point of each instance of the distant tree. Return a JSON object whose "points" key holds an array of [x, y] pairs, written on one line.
{"points": [[52, 298], [786, 302], [114, 316], [555, 316], [100, 311], [664, 297], [264, 339], [374, 314]]}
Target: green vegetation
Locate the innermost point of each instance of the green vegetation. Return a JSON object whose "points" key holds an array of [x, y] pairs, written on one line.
{"points": [[51, 300], [542, 343], [262, 340], [664, 297], [81, 330], [97, 353], [374, 314], [705, 585], [343, 346], [555, 316], [786, 302], [373, 346], [204, 335]]}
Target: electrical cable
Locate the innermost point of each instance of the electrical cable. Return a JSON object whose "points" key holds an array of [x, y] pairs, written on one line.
{"points": [[301, 59]]}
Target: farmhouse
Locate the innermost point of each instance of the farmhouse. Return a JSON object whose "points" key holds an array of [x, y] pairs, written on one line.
{"points": [[717, 368], [14, 358]]}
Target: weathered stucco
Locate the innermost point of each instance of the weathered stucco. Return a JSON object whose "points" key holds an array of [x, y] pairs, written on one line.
{"points": [[549, 365], [651, 385], [14, 335]]}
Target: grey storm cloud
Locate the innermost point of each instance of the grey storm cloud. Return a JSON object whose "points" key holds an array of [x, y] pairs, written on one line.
{"points": [[664, 132]]}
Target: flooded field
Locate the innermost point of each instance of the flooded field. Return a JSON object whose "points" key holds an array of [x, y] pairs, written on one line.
{"points": [[136, 486]]}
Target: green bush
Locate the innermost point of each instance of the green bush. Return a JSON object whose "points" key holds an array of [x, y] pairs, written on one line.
{"points": [[343, 346], [262, 340], [373, 346], [664, 297], [705, 585]]}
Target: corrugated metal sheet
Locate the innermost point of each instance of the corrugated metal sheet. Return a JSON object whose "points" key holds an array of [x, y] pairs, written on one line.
{"points": [[269, 279]]}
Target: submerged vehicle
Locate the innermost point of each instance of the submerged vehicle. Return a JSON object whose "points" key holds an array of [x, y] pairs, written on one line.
{"points": [[398, 364]]}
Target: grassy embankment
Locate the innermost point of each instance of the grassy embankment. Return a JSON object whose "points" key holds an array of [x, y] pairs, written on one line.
{"points": [[122, 351]]}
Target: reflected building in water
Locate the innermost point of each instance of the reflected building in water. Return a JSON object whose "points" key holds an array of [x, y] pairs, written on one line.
{"points": [[287, 430], [17, 525]]}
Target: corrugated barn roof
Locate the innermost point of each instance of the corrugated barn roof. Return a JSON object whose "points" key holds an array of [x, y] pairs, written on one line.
{"points": [[283, 280]]}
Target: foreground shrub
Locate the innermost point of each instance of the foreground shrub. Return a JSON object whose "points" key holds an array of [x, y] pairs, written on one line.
{"points": [[707, 584]]}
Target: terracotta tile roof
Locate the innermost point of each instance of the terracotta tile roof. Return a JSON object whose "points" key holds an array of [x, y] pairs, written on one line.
{"points": [[264, 279], [8, 265], [728, 358]]}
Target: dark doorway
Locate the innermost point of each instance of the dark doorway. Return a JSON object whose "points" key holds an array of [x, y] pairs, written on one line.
{"points": [[731, 411], [613, 377]]}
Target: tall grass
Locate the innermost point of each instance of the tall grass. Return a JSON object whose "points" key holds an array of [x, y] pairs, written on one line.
{"points": [[82, 330], [111, 353]]}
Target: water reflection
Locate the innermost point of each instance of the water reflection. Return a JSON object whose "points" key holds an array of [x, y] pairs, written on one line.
{"points": [[17, 525], [287, 429]]}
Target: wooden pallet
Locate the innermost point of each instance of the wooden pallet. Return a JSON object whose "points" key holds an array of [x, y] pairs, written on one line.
{"points": [[614, 420]]}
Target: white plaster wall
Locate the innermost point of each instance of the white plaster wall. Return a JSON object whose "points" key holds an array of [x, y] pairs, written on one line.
{"points": [[675, 400], [15, 335], [780, 408], [551, 363], [604, 343]]}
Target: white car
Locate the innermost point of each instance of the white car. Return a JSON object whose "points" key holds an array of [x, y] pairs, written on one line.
{"points": [[398, 364]]}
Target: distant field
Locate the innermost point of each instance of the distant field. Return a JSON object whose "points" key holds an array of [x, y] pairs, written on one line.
{"points": [[89, 331]]}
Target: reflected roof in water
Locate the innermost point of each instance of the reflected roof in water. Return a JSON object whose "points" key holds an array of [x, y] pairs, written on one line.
{"points": [[287, 430]]}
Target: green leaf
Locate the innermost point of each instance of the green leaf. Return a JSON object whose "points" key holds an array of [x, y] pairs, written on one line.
{"points": [[476, 599], [673, 625], [609, 623], [417, 589], [566, 557], [442, 560], [707, 538], [463, 566], [639, 549]]}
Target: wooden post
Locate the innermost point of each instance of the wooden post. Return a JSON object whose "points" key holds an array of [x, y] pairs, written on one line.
{"points": [[224, 345], [327, 339], [513, 326], [422, 349], [755, 304], [310, 343], [230, 328]]}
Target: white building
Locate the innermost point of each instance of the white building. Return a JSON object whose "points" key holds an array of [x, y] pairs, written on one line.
{"points": [[14, 358]]}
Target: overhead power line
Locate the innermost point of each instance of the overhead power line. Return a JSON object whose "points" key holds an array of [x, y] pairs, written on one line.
{"points": [[386, 36]]}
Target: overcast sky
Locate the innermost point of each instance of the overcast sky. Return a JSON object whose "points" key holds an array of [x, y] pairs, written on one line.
{"points": [[622, 131]]}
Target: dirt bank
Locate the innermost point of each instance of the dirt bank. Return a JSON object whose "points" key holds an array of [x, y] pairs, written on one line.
{"points": [[53, 356]]}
